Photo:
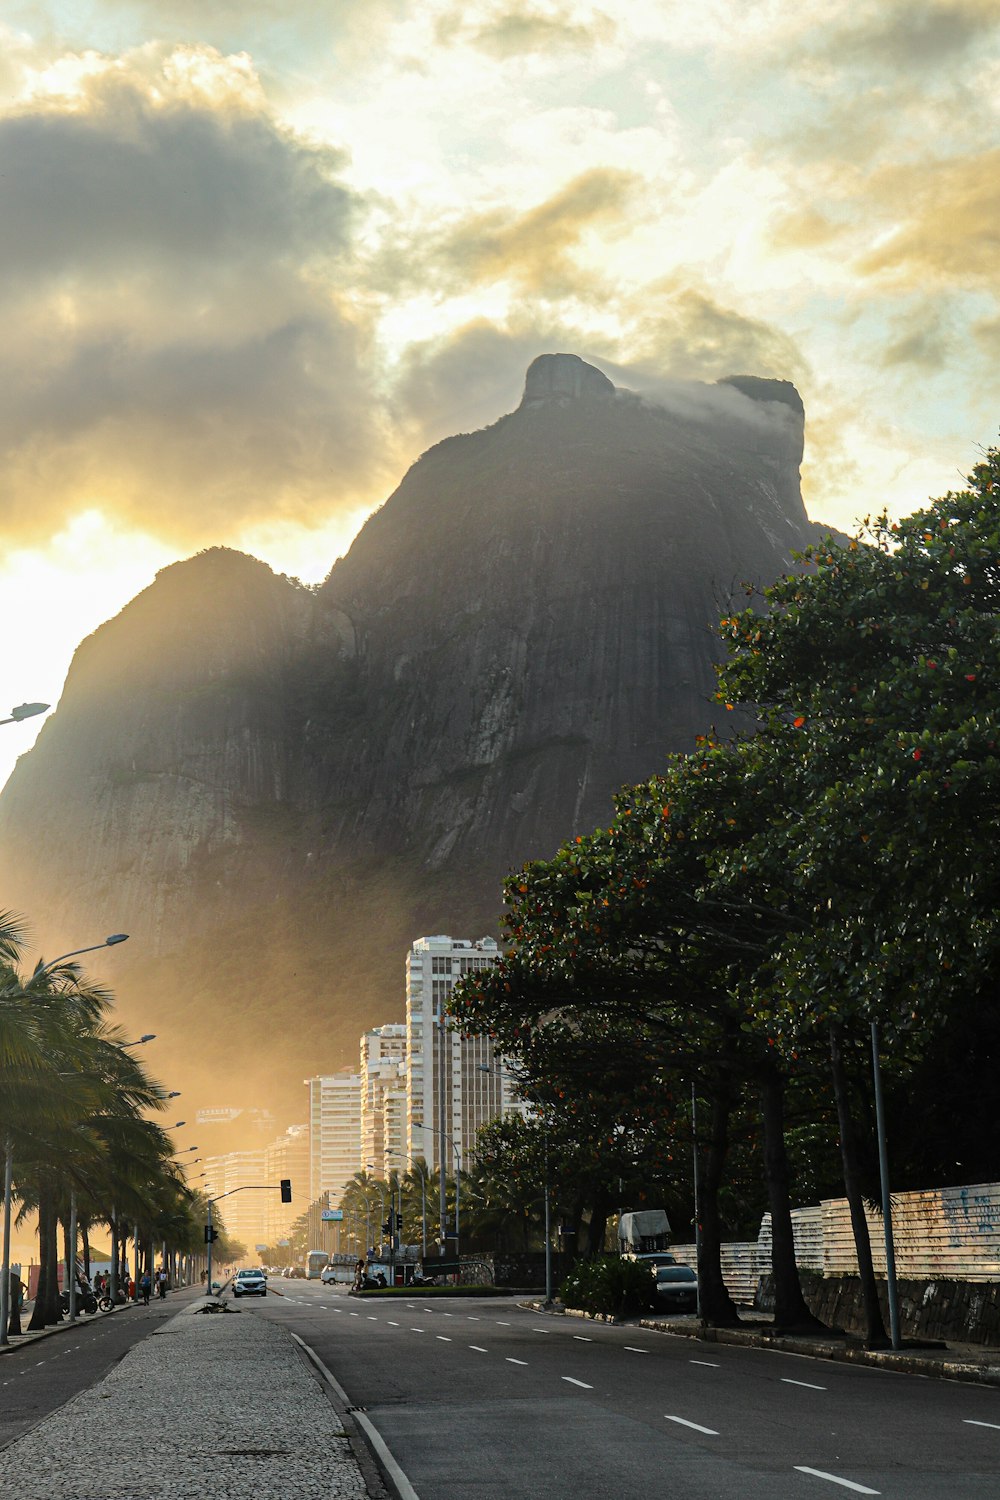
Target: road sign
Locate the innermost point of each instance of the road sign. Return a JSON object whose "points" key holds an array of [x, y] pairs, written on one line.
{"points": [[331, 1215], [284, 1244], [260, 1247]]}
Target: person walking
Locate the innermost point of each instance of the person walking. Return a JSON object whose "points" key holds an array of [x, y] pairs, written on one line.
{"points": [[161, 1283], [145, 1287]]}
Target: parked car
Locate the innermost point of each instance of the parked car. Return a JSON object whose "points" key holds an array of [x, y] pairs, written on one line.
{"points": [[250, 1284], [676, 1288], [653, 1258]]}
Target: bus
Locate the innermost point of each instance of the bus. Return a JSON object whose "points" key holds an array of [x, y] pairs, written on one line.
{"points": [[315, 1261]]}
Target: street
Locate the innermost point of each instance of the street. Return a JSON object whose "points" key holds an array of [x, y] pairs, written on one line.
{"points": [[483, 1399]]}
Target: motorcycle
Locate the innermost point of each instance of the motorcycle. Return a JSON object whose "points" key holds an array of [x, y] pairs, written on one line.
{"points": [[85, 1300]]}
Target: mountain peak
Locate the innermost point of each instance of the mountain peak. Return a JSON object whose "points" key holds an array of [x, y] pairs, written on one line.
{"points": [[563, 377]]}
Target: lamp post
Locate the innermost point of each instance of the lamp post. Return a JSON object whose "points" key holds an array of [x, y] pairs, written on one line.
{"points": [[423, 1205], [458, 1174], [883, 1170], [24, 712]]}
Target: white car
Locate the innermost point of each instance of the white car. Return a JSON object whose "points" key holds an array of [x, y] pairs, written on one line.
{"points": [[328, 1275], [250, 1284]]}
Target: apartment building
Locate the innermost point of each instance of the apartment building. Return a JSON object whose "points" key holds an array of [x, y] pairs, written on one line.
{"points": [[383, 1086], [334, 1131]]}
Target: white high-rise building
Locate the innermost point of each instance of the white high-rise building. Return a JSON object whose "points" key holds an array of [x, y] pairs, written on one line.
{"points": [[446, 1072], [383, 1073], [245, 1215], [334, 1132]]}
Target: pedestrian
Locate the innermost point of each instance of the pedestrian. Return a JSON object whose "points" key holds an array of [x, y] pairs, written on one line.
{"points": [[359, 1276], [145, 1287], [161, 1283]]}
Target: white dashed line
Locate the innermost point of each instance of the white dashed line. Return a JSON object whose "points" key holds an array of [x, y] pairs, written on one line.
{"points": [[706, 1362], [355, 1315], [479, 1348], [969, 1422], [502, 1324], [416, 1330], [392, 1324], [443, 1337], [582, 1338], [848, 1484], [541, 1330], [372, 1318], [633, 1350], [516, 1361], [581, 1383], [710, 1431], [471, 1318], [806, 1383]]}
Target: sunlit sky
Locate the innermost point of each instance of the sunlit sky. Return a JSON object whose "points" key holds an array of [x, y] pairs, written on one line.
{"points": [[255, 256]]}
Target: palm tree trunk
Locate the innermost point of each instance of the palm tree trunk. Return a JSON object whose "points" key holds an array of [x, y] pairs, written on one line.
{"points": [[46, 1308], [875, 1334], [85, 1235]]}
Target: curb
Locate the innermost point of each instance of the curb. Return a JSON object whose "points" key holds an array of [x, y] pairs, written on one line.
{"points": [[22, 1340], [901, 1363]]}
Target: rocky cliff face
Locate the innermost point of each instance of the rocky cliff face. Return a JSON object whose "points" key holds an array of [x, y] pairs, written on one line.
{"points": [[275, 789]]}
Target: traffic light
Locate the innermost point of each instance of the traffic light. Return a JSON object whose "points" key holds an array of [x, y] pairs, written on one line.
{"points": [[286, 1190], [211, 1234], [387, 1227]]}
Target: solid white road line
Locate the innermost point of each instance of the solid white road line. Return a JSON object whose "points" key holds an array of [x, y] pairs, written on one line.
{"points": [[709, 1364], [479, 1348], [848, 1484], [696, 1425], [807, 1383], [969, 1422], [516, 1361], [403, 1486], [581, 1383]]}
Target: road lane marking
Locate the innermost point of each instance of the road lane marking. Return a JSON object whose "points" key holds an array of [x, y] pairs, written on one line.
{"points": [[355, 1315], [372, 1318], [581, 1383], [516, 1361], [696, 1425], [709, 1365], [392, 1324], [449, 1315], [848, 1484], [471, 1318], [443, 1337], [633, 1350], [581, 1338], [970, 1422], [479, 1348], [416, 1330], [806, 1383], [541, 1330], [502, 1324]]}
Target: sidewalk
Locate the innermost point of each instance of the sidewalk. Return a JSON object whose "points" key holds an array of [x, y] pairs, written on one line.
{"points": [[221, 1406], [969, 1362]]}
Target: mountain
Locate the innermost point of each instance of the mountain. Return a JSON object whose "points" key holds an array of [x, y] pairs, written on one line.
{"points": [[274, 789]]}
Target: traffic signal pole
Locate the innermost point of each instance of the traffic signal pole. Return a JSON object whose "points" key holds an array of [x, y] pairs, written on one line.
{"points": [[284, 1187]]}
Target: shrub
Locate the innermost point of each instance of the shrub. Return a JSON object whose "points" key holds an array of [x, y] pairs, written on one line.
{"points": [[609, 1284]]}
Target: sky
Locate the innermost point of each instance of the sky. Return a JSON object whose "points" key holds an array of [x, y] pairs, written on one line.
{"points": [[256, 256]]}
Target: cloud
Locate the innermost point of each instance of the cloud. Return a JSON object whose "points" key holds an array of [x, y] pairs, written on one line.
{"points": [[179, 343], [685, 331], [914, 35], [514, 30], [947, 221], [533, 249]]}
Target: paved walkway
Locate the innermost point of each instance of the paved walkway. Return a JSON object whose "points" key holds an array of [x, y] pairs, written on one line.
{"points": [[219, 1405]]}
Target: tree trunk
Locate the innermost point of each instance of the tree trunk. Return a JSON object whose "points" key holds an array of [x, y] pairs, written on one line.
{"points": [[717, 1307], [85, 1235], [875, 1335], [598, 1223], [46, 1309], [790, 1310]]}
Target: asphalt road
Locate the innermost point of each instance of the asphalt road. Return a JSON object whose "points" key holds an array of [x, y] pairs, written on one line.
{"points": [[478, 1400], [40, 1375]]}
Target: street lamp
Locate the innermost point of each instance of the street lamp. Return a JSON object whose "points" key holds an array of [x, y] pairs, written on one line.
{"points": [[24, 712], [883, 1169], [458, 1174]]}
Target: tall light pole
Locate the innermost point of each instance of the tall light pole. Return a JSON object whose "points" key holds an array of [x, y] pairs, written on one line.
{"points": [[883, 1169], [458, 1174], [24, 712]]}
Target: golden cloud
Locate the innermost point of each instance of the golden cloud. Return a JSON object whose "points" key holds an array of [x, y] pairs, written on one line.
{"points": [[519, 29], [947, 221], [534, 249]]}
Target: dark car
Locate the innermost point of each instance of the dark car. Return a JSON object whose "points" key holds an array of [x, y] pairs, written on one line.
{"points": [[676, 1289]]}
